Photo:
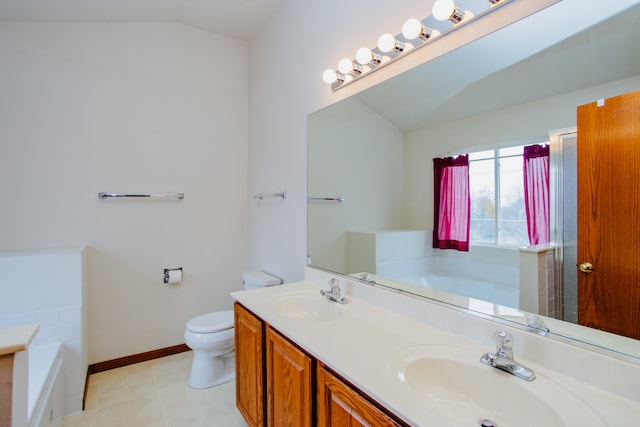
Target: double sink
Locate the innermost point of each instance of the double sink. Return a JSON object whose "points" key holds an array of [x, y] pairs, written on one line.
{"points": [[450, 381]]}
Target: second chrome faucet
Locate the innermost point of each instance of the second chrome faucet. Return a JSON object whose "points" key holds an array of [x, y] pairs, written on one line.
{"points": [[334, 293], [503, 357]]}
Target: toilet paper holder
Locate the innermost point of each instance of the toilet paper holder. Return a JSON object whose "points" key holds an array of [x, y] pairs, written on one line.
{"points": [[167, 274]]}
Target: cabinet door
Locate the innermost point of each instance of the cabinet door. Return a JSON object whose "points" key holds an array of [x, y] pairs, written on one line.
{"points": [[340, 405], [249, 366], [289, 383]]}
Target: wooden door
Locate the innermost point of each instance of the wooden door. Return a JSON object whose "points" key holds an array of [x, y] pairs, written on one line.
{"points": [[249, 366], [340, 405], [289, 383], [609, 215]]}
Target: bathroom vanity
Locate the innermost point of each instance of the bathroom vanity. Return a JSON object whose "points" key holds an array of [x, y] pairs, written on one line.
{"points": [[388, 359], [297, 384]]}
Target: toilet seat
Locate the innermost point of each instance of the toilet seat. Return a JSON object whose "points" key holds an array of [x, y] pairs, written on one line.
{"points": [[211, 322]]}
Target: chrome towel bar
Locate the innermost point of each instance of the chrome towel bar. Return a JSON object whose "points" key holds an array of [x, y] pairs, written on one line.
{"points": [[328, 199], [262, 196], [150, 196]]}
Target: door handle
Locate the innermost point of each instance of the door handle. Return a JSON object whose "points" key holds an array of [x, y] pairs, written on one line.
{"points": [[586, 267]]}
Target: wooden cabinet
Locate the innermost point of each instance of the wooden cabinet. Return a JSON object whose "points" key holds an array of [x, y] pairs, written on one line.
{"points": [[277, 384], [340, 405], [289, 383], [249, 366]]}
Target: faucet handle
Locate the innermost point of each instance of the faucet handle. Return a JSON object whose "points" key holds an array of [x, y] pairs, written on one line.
{"points": [[503, 339], [335, 284]]}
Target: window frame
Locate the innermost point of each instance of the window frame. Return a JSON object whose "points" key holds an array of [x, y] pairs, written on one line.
{"points": [[498, 187]]}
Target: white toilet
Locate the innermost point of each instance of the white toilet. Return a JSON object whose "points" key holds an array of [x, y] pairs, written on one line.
{"points": [[210, 336]]}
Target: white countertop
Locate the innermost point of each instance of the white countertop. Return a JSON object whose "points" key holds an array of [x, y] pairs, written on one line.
{"points": [[370, 329], [15, 339]]}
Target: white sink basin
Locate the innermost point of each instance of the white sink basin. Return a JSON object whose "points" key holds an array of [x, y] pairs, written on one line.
{"points": [[453, 384], [306, 305]]}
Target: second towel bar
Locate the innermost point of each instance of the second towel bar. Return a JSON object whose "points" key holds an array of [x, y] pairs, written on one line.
{"points": [[262, 196], [328, 199]]}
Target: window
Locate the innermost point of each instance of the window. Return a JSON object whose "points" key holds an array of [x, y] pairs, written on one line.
{"points": [[498, 214]]}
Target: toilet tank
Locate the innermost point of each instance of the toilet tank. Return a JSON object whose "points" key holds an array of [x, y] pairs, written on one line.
{"points": [[258, 279]]}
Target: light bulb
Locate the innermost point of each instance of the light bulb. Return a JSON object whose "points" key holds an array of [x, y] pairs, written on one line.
{"points": [[446, 10], [387, 43], [412, 29], [443, 9], [329, 76], [364, 56], [345, 66]]}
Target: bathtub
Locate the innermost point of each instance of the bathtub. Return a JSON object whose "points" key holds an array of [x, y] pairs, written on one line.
{"points": [[48, 288], [472, 288], [45, 401]]}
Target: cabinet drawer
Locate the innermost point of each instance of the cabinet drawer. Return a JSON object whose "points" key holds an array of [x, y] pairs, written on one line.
{"points": [[341, 405]]}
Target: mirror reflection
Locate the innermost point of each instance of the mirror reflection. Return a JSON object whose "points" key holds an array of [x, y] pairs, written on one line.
{"points": [[376, 149]]}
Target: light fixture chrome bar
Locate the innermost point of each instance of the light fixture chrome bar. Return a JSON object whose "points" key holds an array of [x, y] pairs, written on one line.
{"points": [[327, 199], [262, 196], [148, 196], [512, 10]]}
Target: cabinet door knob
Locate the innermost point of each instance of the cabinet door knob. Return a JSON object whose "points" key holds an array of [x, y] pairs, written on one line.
{"points": [[586, 267]]}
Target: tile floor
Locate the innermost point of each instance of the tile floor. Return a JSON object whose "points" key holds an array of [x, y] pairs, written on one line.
{"points": [[155, 394]]}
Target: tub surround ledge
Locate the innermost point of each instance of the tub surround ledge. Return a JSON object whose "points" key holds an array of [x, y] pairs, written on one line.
{"points": [[377, 322], [14, 366], [13, 340]]}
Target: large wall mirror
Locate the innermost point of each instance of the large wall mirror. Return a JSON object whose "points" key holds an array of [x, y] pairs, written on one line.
{"points": [[374, 151]]}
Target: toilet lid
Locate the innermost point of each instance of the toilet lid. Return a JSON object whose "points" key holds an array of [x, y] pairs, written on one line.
{"points": [[211, 322]]}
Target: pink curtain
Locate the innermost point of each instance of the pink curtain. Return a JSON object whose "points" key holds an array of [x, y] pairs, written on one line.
{"points": [[536, 192], [451, 203]]}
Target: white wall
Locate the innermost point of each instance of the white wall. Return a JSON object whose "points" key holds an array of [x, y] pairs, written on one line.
{"points": [[355, 154], [87, 108]]}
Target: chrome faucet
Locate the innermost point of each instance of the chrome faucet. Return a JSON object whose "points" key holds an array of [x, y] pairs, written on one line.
{"points": [[333, 294], [503, 357]]}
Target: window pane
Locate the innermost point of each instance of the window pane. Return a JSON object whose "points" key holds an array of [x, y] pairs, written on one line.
{"points": [[481, 155], [512, 151], [512, 229], [483, 210]]}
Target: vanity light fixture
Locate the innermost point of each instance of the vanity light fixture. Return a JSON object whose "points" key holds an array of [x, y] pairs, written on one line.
{"points": [[415, 34]]}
